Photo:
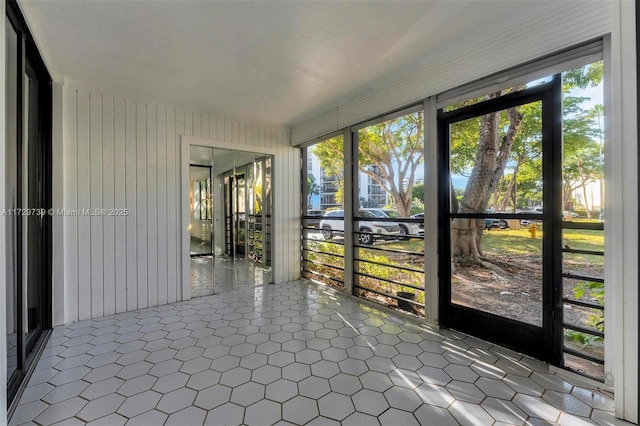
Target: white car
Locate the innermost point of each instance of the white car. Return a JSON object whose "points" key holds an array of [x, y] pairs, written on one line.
{"points": [[333, 222], [406, 228]]}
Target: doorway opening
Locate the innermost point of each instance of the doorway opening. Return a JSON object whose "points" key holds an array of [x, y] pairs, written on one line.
{"points": [[230, 205]]}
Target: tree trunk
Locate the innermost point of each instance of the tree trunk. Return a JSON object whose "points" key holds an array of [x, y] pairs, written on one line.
{"points": [[491, 158], [583, 184], [510, 193], [467, 233]]}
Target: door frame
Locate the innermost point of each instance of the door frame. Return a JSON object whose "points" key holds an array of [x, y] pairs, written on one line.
{"points": [[543, 342], [30, 60], [183, 196]]}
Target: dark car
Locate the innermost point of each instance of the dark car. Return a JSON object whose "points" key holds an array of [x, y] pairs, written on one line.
{"points": [[492, 223], [314, 218]]}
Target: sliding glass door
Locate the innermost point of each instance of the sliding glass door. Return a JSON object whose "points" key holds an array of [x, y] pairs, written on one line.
{"points": [[28, 198]]}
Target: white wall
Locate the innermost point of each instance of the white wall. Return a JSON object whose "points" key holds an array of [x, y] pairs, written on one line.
{"points": [[621, 205], [122, 152]]}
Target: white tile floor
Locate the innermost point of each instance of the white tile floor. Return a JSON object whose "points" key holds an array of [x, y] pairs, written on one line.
{"points": [[218, 274], [290, 354]]}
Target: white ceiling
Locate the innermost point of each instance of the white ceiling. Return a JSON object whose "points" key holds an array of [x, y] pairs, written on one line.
{"points": [[274, 62]]}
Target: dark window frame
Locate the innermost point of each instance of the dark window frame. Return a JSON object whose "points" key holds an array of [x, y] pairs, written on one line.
{"points": [[30, 59]]}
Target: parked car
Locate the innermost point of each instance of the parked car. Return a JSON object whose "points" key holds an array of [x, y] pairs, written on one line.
{"points": [[527, 222], [601, 216], [333, 222], [492, 223], [421, 224], [406, 228], [315, 217]]}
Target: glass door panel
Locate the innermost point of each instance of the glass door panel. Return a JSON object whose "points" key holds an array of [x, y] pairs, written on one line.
{"points": [[497, 259], [201, 218], [11, 183], [28, 196], [240, 214], [500, 191], [32, 224]]}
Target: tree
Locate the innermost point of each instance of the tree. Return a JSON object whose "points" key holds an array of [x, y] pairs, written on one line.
{"points": [[495, 136], [417, 192], [331, 157], [507, 140], [395, 150], [583, 161], [389, 153], [312, 188]]}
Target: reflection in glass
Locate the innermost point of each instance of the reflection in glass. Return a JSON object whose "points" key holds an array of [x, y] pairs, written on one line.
{"points": [[247, 206], [201, 202]]}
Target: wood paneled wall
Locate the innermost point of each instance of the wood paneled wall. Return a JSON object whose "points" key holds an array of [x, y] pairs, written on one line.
{"points": [[125, 154]]}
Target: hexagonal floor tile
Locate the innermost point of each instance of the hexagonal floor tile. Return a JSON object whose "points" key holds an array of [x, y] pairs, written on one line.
{"points": [[213, 397], [370, 402], [299, 410], [262, 413], [247, 394]]}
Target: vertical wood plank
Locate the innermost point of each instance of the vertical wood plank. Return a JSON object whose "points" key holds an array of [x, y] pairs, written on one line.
{"points": [[95, 179], [108, 203], [197, 125], [70, 111], [141, 202], [120, 191], [161, 206], [131, 178], [172, 218], [188, 123], [152, 208], [242, 133], [220, 129], [84, 201]]}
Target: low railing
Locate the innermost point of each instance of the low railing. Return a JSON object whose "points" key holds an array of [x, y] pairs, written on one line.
{"points": [[583, 319], [322, 260], [390, 270]]}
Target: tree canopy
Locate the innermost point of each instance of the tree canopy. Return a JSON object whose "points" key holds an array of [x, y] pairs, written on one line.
{"points": [[389, 153]]}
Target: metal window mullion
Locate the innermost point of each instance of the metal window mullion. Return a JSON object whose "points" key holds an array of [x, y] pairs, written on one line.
{"points": [[430, 224], [348, 198], [304, 172], [553, 309]]}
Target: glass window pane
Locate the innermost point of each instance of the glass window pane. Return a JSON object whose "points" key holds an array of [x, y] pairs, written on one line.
{"points": [[389, 253], [583, 200], [323, 220]]}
